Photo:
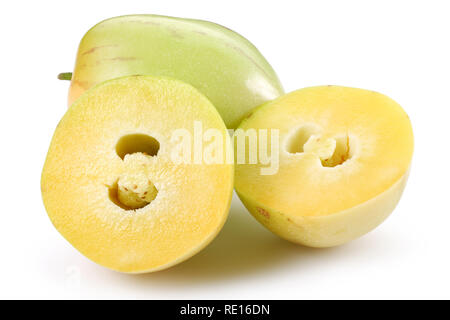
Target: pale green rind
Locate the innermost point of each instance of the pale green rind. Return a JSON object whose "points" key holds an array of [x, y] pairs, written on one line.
{"points": [[223, 65]]}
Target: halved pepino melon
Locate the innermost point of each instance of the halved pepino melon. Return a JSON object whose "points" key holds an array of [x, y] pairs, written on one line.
{"points": [[112, 187], [344, 158]]}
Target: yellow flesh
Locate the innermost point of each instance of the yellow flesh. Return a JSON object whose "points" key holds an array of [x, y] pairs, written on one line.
{"points": [[357, 144], [188, 203]]}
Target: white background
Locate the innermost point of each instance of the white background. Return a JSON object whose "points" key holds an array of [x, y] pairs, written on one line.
{"points": [[399, 48]]}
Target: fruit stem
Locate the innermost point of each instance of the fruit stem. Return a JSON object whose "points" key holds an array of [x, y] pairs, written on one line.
{"points": [[65, 76]]}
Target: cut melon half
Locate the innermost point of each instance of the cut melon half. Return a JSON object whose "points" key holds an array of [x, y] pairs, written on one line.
{"points": [[344, 158], [110, 183]]}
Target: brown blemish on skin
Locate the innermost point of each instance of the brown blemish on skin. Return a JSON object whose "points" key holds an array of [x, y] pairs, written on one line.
{"points": [[93, 49], [263, 212], [175, 33], [125, 188], [135, 187]]}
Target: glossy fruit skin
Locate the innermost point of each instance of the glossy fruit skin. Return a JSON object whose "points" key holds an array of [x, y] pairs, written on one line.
{"points": [[335, 229], [220, 63]]}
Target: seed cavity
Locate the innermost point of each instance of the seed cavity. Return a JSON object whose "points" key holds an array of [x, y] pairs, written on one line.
{"points": [[331, 150], [133, 189], [342, 152], [131, 200], [137, 142], [296, 141]]}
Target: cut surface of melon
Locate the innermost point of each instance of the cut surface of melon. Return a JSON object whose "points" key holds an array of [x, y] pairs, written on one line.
{"points": [[111, 188], [342, 150]]}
